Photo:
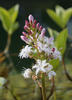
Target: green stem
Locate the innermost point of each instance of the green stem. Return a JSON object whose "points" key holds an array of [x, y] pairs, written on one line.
{"points": [[8, 44], [43, 87], [6, 52], [54, 95]]}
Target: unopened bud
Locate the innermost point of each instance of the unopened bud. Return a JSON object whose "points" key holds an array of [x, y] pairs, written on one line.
{"points": [[40, 28], [53, 49], [38, 25], [31, 18], [26, 23], [35, 21], [24, 38], [25, 27], [33, 25]]}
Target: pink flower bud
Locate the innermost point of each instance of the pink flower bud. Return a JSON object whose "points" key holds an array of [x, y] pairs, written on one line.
{"points": [[53, 49], [26, 23], [33, 25], [31, 18], [43, 32], [30, 32], [40, 28], [24, 33], [26, 27], [38, 25], [24, 38], [35, 21]]}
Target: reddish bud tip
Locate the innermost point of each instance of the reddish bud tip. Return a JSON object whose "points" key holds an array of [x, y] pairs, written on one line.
{"points": [[26, 23], [53, 49], [38, 25], [33, 25], [31, 18], [24, 33], [35, 21], [40, 28], [25, 27]]}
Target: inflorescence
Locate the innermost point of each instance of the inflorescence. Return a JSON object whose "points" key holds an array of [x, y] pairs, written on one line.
{"points": [[40, 48]]}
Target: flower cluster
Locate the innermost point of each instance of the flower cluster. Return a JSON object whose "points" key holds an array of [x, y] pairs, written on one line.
{"points": [[39, 47]]}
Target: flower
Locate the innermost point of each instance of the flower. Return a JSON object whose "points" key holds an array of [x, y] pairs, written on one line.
{"points": [[57, 54], [38, 44], [43, 32], [51, 74], [25, 52], [42, 66], [27, 73]]}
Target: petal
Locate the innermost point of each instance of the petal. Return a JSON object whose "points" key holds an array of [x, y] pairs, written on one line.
{"points": [[37, 71]]}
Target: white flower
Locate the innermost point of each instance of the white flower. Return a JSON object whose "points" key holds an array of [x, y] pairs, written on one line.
{"points": [[48, 41], [48, 68], [51, 74], [57, 54], [27, 73], [2, 81], [43, 32], [45, 44], [25, 52], [40, 46], [42, 66]]}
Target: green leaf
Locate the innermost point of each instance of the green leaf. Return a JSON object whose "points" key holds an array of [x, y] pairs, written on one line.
{"points": [[60, 16], [14, 27], [61, 41], [54, 63], [8, 19], [66, 16], [5, 18], [55, 17], [53, 33], [59, 11], [14, 12]]}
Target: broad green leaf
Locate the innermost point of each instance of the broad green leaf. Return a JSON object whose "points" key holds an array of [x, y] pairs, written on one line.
{"points": [[14, 12], [59, 11], [8, 19], [61, 41], [55, 17], [54, 63], [13, 28], [5, 18], [60, 16], [66, 16], [53, 33]]}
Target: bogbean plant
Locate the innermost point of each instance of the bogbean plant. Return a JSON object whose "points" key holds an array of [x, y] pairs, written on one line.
{"points": [[43, 50], [46, 51]]}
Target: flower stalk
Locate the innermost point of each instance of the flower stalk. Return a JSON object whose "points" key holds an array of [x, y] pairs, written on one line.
{"points": [[43, 87], [8, 44]]}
